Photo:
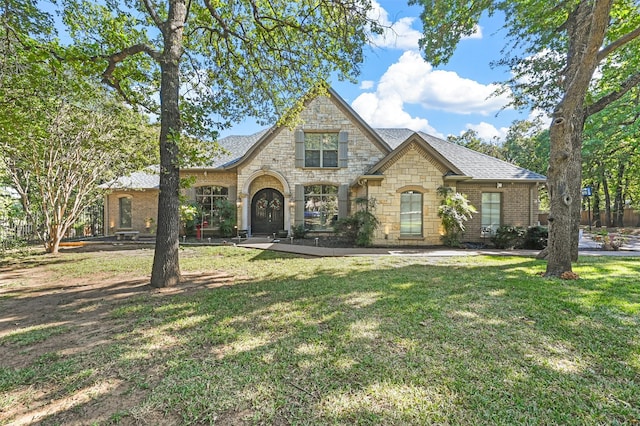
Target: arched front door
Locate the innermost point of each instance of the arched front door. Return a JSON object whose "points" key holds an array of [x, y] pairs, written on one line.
{"points": [[267, 211]]}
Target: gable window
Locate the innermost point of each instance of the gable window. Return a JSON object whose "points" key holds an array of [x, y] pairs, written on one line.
{"points": [[124, 207], [411, 214], [491, 206], [207, 197], [321, 150], [320, 207]]}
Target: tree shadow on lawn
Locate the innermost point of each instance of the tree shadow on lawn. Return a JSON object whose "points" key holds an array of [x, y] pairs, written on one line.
{"points": [[361, 340]]}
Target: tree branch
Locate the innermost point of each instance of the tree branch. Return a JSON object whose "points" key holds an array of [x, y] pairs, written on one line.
{"points": [[604, 101], [115, 58], [227, 31], [152, 12], [607, 50]]}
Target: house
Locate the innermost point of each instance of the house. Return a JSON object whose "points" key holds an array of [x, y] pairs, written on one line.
{"points": [[312, 174]]}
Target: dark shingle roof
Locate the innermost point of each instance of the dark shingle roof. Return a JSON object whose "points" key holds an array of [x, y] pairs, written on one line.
{"points": [[236, 147], [472, 163]]}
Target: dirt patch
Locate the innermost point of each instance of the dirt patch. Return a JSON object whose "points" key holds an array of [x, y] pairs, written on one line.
{"points": [[47, 319]]}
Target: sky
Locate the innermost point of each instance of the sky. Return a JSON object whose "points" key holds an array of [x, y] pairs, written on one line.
{"points": [[398, 88]]}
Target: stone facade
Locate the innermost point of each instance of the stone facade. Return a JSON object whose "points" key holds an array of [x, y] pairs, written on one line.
{"points": [[368, 166]]}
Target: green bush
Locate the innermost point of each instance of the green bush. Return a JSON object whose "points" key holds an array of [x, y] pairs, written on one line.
{"points": [[358, 229], [225, 217], [454, 210], [509, 237], [299, 232], [536, 238]]}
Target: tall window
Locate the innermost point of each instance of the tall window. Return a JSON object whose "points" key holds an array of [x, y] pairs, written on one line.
{"points": [[321, 150], [320, 207], [491, 203], [411, 214], [125, 212], [206, 197]]}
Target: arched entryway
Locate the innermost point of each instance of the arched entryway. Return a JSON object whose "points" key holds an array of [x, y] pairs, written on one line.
{"points": [[267, 211]]}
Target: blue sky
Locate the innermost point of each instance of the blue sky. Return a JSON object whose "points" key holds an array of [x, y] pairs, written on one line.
{"points": [[397, 88]]}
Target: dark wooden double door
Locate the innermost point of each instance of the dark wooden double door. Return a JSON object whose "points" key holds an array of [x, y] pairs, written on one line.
{"points": [[267, 212]]}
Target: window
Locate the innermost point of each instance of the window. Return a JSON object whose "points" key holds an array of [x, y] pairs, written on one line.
{"points": [[491, 202], [321, 150], [411, 214], [125, 212], [206, 197], [320, 207]]}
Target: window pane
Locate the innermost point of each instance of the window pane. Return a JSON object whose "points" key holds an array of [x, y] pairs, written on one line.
{"points": [[330, 141], [330, 158], [312, 158], [312, 141], [320, 207], [411, 213], [206, 197], [491, 203], [321, 149], [329, 189], [125, 212]]}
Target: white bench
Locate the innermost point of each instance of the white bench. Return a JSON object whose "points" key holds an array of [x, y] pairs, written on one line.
{"points": [[127, 234]]}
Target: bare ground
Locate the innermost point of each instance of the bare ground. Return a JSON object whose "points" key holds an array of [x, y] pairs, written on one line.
{"points": [[32, 297]]}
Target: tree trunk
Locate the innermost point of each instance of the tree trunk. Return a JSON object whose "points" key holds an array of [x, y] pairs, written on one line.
{"points": [[596, 206], [607, 201], [166, 266], [586, 27], [564, 181], [618, 204]]}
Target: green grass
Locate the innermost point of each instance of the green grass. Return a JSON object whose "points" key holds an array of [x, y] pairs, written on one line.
{"points": [[381, 340]]}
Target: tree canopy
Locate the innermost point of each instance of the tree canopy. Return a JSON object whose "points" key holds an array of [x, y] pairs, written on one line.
{"points": [[571, 59], [213, 63]]}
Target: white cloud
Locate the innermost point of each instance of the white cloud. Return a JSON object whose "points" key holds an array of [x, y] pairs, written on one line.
{"points": [[411, 80], [401, 34], [389, 112], [477, 34], [488, 132], [398, 35], [416, 82], [538, 114], [367, 84]]}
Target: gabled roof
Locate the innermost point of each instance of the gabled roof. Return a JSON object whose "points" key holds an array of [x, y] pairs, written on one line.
{"points": [[239, 148], [236, 147], [148, 178], [460, 161], [465, 161], [242, 147], [395, 140]]}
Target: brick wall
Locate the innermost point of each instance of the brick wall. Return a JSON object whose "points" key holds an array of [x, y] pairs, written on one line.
{"points": [[144, 205], [519, 205]]}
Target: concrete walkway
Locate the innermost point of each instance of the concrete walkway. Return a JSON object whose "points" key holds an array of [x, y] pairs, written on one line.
{"points": [[586, 247]]}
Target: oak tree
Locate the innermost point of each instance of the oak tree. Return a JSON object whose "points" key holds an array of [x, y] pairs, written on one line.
{"points": [[214, 62], [553, 52]]}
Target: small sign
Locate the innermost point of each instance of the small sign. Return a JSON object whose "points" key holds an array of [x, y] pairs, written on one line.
{"points": [[586, 191]]}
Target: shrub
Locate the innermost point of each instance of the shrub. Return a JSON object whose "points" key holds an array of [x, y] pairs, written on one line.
{"points": [[536, 238], [226, 217], [358, 228], [299, 232], [454, 211], [509, 237]]}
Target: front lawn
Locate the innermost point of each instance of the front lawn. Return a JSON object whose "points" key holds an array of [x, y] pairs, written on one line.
{"points": [[255, 337]]}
